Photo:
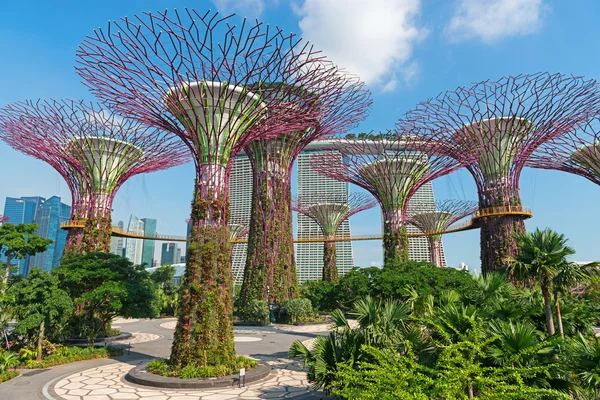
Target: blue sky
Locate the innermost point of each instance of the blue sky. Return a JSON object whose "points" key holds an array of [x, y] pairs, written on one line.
{"points": [[406, 51]]}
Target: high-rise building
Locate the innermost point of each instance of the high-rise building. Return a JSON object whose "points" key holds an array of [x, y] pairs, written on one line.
{"points": [[309, 256], [133, 247], [21, 210], [170, 254], [116, 243], [240, 201], [148, 245], [49, 216], [418, 247]]}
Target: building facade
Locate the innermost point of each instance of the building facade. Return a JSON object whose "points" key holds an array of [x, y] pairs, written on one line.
{"points": [[133, 247], [309, 256], [240, 202], [22, 210], [49, 216], [170, 254], [148, 245], [116, 243]]}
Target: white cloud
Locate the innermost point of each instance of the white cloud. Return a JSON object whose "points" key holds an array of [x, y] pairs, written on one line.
{"points": [[373, 39], [246, 8], [492, 20]]}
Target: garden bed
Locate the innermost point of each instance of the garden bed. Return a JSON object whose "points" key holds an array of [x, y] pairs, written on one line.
{"points": [[68, 355], [140, 376], [8, 375], [121, 336]]}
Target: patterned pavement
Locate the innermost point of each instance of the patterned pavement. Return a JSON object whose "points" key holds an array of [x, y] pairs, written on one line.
{"points": [[107, 383]]}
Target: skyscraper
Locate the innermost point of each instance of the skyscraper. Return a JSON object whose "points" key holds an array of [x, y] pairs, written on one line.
{"points": [[49, 216], [148, 245], [170, 254], [133, 247], [309, 256], [21, 210], [240, 201], [116, 243]]}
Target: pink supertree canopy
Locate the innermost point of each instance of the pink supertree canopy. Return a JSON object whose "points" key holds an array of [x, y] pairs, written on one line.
{"points": [[329, 210], [435, 220], [4, 218], [492, 127], [577, 152], [218, 83], [392, 170], [94, 150]]}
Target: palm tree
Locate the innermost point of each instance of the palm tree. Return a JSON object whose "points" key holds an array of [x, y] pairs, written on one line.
{"points": [[566, 278], [541, 254], [586, 359]]}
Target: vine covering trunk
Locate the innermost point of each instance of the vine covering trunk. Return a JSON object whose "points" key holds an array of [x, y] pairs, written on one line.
{"points": [[204, 333], [330, 272], [96, 234], [435, 247], [270, 272], [395, 238]]}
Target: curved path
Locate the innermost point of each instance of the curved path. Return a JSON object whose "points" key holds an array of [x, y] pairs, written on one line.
{"points": [[103, 379]]}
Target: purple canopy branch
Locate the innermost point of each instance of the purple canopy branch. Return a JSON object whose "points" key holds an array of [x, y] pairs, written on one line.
{"points": [[577, 152], [492, 128], [434, 221], [329, 210], [95, 151]]}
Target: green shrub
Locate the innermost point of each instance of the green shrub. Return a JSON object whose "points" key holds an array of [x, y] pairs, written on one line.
{"points": [[296, 310], [65, 355], [258, 312], [8, 375], [161, 367]]}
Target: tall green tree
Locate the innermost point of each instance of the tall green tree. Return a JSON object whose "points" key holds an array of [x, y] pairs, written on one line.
{"points": [[541, 255], [17, 242], [103, 286], [39, 305]]}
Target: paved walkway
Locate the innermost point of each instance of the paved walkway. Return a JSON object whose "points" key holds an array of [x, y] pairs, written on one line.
{"points": [[107, 383], [103, 379]]}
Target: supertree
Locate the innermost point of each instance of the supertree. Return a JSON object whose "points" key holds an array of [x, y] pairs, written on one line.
{"points": [[577, 152], [3, 218], [270, 271], [392, 171], [329, 210], [434, 221], [492, 127], [213, 84], [94, 150]]}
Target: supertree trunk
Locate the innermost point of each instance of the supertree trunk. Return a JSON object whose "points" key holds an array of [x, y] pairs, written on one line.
{"points": [[435, 247], [270, 272], [330, 272], [204, 331], [498, 243], [395, 238], [96, 234]]}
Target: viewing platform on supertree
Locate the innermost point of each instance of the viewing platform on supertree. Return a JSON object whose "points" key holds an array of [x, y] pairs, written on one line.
{"points": [[436, 220], [577, 152], [209, 79], [94, 150], [492, 128], [329, 211], [392, 171], [338, 103]]}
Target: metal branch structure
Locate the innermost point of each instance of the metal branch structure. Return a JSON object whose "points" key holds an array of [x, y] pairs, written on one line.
{"points": [[218, 83], [270, 270], [492, 127], [329, 210], [434, 221], [3, 218], [577, 152], [392, 171], [95, 151]]}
